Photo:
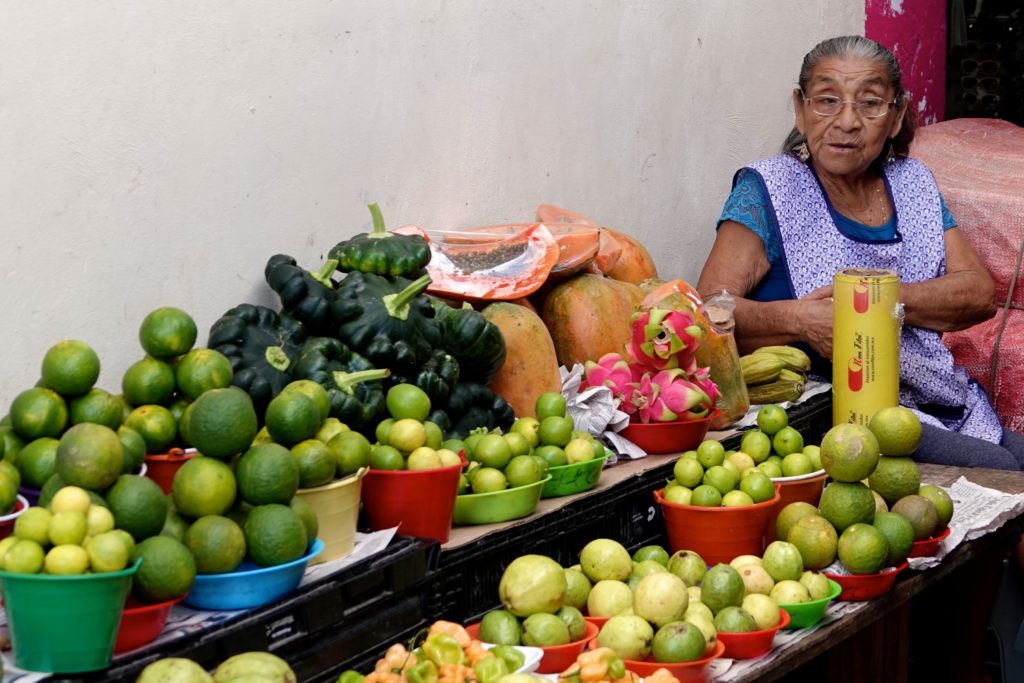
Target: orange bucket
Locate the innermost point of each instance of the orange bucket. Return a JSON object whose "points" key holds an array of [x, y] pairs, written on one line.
{"points": [[162, 468], [419, 502], [806, 488], [717, 534]]}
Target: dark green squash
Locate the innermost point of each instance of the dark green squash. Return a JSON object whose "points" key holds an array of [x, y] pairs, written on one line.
{"points": [[352, 383], [474, 341], [381, 252]]}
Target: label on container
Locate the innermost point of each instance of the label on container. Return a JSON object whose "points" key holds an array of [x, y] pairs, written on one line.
{"points": [[866, 322]]}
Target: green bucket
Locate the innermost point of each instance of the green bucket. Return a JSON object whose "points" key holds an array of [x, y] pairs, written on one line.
{"points": [[65, 624]]}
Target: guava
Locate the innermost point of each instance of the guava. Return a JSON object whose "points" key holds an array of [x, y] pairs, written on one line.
{"points": [[733, 619], [678, 641], [706, 625], [545, 630], [743, 560], [756, 579], [174, 670], [574, 621], [783, 561], [817, 585], [661, 598], [694, 594], [764, 610], [608, 598], [577, 588], [698, 608], [604, 558], [789, 593], [688, 566], [722, 587], [532, 584], [629, 636], [647, 567], [501, 627]]}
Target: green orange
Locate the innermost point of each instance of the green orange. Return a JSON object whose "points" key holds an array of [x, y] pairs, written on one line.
{"points": [[70, 367], [167, 332], [148, 381], [90, 456], [200, 370], [38, 412], [155, 424]]}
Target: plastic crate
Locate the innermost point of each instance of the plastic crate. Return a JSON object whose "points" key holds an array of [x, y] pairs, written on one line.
{"points": [[338, 617]]}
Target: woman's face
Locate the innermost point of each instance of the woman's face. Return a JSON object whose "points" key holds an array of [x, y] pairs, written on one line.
{"points": [[847, 142]]}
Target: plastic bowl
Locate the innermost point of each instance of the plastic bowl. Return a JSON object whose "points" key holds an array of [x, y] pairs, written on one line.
{"points": [[557, 658], [65, 624], [7, 521], [754, 643], [865, 586], [807, 614], [418, 502], [29, 494], [923, 548], [141, 623], [597, 621], [717, 534], [162, 467], [666, 437], [250, 585], [805, 488], [337, 510], [686, 672], [498, 506], [576, 478]]}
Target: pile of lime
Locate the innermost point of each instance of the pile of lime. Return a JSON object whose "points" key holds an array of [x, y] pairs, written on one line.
{"points": [[875, 507], [525, 453], [407, 440]]}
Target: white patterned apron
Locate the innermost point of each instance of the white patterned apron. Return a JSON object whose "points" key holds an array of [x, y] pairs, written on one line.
{"points": [[814, 250]]}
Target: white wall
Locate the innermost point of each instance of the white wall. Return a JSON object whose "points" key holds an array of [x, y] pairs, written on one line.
{"points": [[158, 153]]}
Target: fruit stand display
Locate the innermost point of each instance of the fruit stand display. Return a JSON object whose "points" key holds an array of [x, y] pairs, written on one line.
{"points": [[411, 383]]}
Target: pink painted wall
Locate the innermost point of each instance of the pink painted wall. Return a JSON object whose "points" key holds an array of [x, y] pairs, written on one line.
{"points": [[915, 30]]}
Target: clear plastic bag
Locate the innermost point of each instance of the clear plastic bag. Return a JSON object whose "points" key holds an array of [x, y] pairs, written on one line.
{"points": [[718, 351]]}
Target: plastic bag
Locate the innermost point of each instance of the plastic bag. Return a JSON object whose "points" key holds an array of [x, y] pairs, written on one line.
{"points": [[718, 351]]}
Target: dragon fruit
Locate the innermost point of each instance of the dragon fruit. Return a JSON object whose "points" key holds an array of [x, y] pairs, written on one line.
{"points": [[668, 396], [611, 370], [665, 339]]}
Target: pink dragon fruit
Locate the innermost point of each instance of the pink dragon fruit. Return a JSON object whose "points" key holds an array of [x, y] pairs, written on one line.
{"points": [[611, 370], [668, 395], [665, 339]]}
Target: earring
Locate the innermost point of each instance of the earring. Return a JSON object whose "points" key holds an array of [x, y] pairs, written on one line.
{"points": [[802, 152], [890, 153]]}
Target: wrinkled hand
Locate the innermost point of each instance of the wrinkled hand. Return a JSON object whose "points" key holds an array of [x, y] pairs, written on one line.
{"points": [[816, 320]]}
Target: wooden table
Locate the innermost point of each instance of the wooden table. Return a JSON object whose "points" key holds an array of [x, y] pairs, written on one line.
{"points": [[875, 643]]}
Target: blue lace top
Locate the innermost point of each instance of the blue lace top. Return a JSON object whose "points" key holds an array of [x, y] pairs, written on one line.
{"points": [[747, 205]]}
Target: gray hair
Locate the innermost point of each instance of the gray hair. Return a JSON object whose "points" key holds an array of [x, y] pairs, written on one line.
{"points": [[859, 47]]}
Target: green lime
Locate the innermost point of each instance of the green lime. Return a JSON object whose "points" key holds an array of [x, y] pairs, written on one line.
{"points": [[554, 456], [24, 557], [167, 332], [34, 525], [200, 370], [386, 458], [758, 486], [217, 543], [688, 472], [408, 401], [70, 367], [771, 418], [550, 403], [148, 381], [555, 430], [407, 434], [706, 495], [523, 470], [492, 451], [138, 505], [108, 553], [787, 440], [317, 463], [710, 453], [351, 451], [721, 478], [487, 480]]}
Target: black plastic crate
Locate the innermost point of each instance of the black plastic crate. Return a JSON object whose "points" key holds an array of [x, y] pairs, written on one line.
{"points": [[364, 605]]}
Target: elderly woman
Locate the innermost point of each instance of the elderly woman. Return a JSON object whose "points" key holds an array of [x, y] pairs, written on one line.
{"points": [[844, 194]]}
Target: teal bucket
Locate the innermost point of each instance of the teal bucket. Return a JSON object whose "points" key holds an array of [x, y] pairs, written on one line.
{"points": [[65, 624]]}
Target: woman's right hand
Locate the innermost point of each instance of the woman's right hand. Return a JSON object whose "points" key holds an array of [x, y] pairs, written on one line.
{"points": [[815, 317]]}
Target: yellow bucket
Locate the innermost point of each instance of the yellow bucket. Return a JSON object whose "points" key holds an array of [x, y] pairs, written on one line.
{"points": [[865, 344], [337, 510]]}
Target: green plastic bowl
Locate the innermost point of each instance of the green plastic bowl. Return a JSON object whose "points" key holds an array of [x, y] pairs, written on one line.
{"points": [[65, 624], [498, 506], [575, 478], [807, 614]]}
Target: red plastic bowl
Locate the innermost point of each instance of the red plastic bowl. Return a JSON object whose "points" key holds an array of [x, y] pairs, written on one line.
{"points": [[928, 546], [141, 623], [667, 437], [865, 586], [7, 521], [597, 621], [162, 467], [717, 534], [557, 658], [419, 502], [686, 672], [754, 643]]}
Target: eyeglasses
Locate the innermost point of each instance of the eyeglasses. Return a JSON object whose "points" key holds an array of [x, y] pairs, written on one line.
{"points": [[867, 107], [988, 67]]}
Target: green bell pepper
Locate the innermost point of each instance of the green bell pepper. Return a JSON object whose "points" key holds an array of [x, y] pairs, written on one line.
{"points": [[513, 657], [424, 672], [381, 252]]}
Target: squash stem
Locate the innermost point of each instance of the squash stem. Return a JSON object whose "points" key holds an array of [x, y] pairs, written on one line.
{"points": [[347, 381], [378, 232], [323, 276], [277, 358], [397, 304]]}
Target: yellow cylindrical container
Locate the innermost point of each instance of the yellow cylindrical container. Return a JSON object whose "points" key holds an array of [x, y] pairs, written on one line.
{"points": [[866, 321]]}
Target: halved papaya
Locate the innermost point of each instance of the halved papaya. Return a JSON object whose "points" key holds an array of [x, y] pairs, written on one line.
{"points": [[608, 248], [635, 263], [491, 263]]}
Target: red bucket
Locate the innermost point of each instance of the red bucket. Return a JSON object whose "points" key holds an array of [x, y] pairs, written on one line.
{"points": [[7, 521], [717, 534], [162, 468], [419, 502], [805, 488], [141, 623]]}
